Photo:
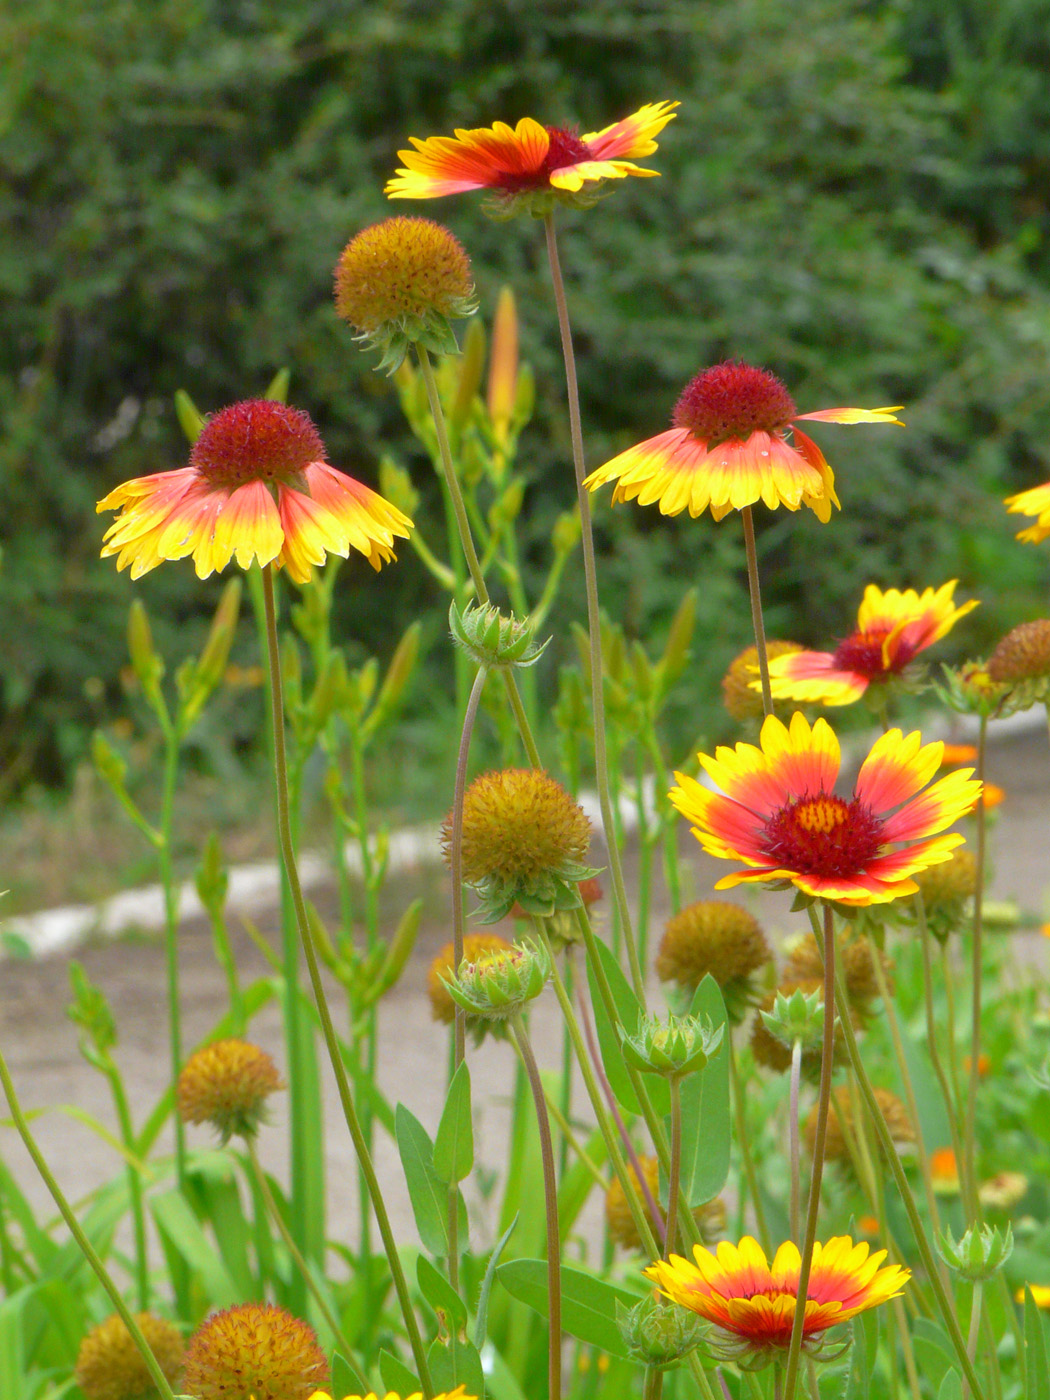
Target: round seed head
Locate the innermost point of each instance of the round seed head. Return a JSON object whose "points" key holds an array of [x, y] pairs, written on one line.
{"points": [[227, 1084], [110, 1365], [255, 1351]]}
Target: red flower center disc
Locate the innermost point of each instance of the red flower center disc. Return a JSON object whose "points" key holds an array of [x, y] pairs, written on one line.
{"points": [[257, 440], [732, 401], [824, 836]]}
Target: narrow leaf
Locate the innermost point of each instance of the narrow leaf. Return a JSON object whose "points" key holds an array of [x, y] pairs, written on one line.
{"points": [[588, 1302], [456, 1362], [454, 1143], [346, 1380], [427, 1192], [441, 1296], [951, 1387], [486, 1285], [396, 1375], [705, 1108]]}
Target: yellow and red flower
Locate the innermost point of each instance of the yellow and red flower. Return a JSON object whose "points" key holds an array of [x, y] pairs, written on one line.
{"points": [[775, 809], [257, 487], [892, 628], [528, 158], [728, 449], [754, 1301], [1034, 502]]}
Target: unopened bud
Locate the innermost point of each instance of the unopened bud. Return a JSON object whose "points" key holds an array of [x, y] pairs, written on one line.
{"points": [[491, 639], [657, 1333], [798, 1016], [979, 1254], [673, 1047], [499, 984]]}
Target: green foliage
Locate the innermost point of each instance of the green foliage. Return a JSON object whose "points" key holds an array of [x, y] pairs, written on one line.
{"points": [[852, 196]]}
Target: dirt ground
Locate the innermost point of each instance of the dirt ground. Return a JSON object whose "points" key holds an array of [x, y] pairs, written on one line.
{"points": [[41, 1044]]}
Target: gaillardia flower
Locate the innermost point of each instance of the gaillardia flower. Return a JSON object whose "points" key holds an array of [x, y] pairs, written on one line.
{"points": [[257, 487], [728, 448], [227, 1084], [753, 1301], [255, 1351], [775, 809], [1034, 502], [892, 628], [529, 160], [111, 1367]]}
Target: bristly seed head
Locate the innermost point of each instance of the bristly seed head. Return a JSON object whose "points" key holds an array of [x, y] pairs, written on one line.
{"points": [[731, 401], [1023, 654], [256, 440], [401, 270], [111, 1367], [255, 1350]]}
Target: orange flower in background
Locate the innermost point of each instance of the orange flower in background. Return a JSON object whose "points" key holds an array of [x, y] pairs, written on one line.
{"points": [[892, 628], [775, 809], [728, 448], [257, 487], [527, 158], [754, 1301], [944, 1172], [1034, 502]]}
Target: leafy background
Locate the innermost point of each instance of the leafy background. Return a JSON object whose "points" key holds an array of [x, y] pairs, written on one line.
{"points": [[853, 195]]}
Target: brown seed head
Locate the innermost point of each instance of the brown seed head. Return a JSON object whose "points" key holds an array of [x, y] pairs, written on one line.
{"points": [[718, 937], [1023, 654], [950, 882], [740, 700], [226, 1084], [110, 1365], [256, 440], [254, 1352], [401, 269], [858, 969], [840, 1122], [710, 1217], [476, 948]]}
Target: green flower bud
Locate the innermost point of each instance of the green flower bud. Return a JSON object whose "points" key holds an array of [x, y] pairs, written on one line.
{"points": [[566, 533], [657, 1334], [675, 1047], [492, 639], [395, 483], [497, 985], [799, 1016], [981, 1252]]}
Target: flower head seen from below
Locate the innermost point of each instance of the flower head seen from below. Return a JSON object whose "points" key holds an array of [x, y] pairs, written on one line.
{"points": [[227, 1084], [254, 1351], [774, 808], [1034, 502], [257, 487], [399, 283], [110, 1365], [530, 166], [476, 947], [753, 1302], [892, 628], [727, 448], [714, 937]]}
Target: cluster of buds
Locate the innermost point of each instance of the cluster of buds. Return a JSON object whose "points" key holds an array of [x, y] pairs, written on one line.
{"points": [[674, 1047], [498, 984], [491, 639], [979, 1254]]}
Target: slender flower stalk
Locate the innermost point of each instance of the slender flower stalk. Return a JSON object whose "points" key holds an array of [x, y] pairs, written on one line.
{"points": [[324, 1015], [969, 1121], [467, 541], [674, 1176], [827, 1055], [171, 931], [756, 608], [953, 1108], [84, 1244], [550, 1192], [747, 1159], [590, 576], [793, 1140]]}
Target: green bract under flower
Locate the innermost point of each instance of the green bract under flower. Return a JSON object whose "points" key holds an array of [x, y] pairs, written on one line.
{"points": [[674, 1047], [491, 639], [399, 283], [497, 985]]}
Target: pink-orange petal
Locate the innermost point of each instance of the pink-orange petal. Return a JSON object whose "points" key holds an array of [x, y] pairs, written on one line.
{"points": [[632, 136], [853, 415]]}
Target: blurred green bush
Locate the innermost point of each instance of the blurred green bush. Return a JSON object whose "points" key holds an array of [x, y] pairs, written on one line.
{"points": [[853, 195]]}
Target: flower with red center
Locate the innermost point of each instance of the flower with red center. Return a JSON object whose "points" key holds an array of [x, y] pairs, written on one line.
{"points": [[257, 487], [528, 160], [892, 628], [775, 809], [1034, 502], [728, 448], [753, 1302]]}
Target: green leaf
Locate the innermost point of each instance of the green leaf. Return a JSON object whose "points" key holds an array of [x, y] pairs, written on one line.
{"points": [[629, 1009], [705, 1108], [180, 1228], [345, 1379], [933, 1351], [396, 1375], [456, 1362], [454, 1143], [1036, 1363], [427, 1192], [441, 1296], [486, 1285], [588, 1303], [951, 1387]]}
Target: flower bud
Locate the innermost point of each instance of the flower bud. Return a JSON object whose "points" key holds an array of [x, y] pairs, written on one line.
{"points": [[796, 1015], [658, 1334], [491, 639], [979, 1254], [674, 1048], [499, 984]]}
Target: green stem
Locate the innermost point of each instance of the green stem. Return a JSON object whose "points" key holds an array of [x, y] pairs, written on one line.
{"points": [[827, 1056], [593, 616], [550, 1192], [263, 1187], [86, 1247], [747, 1161], [970, 1117], [794, 1209], [944, 1302], [171, 931], [674, 1176], [328, 1030], [138, 1215], [756, 617], [653, 1385], [931, 1035], [467, 541]]}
